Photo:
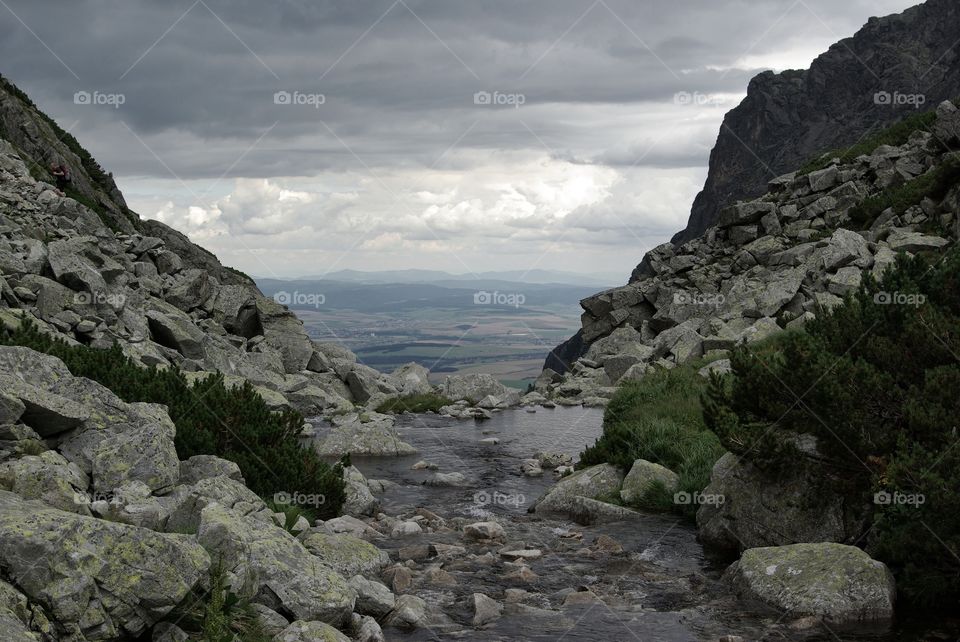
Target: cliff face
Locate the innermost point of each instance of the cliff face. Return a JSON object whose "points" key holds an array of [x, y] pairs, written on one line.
{"points": [[789, 117]]}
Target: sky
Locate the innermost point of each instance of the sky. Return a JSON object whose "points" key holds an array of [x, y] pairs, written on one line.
{"points": [[296, 137]]}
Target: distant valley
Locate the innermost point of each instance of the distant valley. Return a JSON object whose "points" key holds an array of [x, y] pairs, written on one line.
{"points": [[502, 323]]}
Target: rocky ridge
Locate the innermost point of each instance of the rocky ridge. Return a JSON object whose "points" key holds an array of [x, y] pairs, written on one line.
{"points": [[768, 265], [886, 71]]}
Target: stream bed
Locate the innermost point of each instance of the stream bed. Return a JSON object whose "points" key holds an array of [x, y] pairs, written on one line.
{"points": [[659, 587]]}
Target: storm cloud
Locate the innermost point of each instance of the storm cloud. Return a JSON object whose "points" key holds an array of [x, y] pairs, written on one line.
{"points": [[296, 137]]}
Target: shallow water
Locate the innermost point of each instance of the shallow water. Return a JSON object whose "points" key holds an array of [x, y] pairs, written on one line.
{"points": [[661, 588]]}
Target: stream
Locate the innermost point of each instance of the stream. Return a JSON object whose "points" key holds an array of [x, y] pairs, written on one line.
{"points": [[660, 587]]}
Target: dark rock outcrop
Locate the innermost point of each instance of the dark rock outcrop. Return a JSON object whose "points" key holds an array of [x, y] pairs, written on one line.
{"points": [[848, 92]]}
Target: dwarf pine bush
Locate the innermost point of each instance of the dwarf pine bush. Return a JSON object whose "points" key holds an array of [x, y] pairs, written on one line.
{"points": [[877, 382]]}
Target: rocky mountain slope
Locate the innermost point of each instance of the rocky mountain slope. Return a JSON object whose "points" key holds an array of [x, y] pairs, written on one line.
{"points": [[861, 85], [770, 263]]}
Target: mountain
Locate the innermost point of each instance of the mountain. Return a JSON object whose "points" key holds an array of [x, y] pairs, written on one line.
{"points": [[435, 276], [859, 86], [772, 263]]}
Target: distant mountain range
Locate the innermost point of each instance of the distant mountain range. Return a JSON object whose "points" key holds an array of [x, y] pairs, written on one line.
{"points": [[542, 277]]}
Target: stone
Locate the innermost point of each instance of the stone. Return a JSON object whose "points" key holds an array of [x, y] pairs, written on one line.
{"points": [[368, 630], [301, 631], [472, 387], [201, 467], [751, 509], [343, 553], [405, 529], [359, 500], [839, 583], [907, 241], [409, 613], [531, 468], [643, 477], [587, 511], [144, 453], [484, 531], [845, 281], [824, 179], [485, 610], [843, 248], [373, 598], [376, 437], [446, 480], [103, 579], [187, 503], [742, 213], [49, 478], [278, 570], [595, 482], [550, 460], [411, 379]]}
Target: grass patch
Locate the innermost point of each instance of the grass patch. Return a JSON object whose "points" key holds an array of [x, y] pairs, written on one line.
{"points": [[895, 135], [660, 419], [430, 402], [211, 419], [218, 615]]}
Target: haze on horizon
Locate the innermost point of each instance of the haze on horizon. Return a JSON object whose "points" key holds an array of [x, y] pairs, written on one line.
{"points": [[309, 137]]}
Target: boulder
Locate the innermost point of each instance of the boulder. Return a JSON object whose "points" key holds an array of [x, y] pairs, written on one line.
{"points": [[595, 482], [373, 598], [472, 387], [411, 379], [752, 508], [49, 478], [643, 477], [485, 609], [839, 583], [376, 437], [409, 613], [301, 631], [345, 554], [278, 570], [100, 579], [145, 453], [484, 531], [201, 467], [908, 241], [359, 500]]}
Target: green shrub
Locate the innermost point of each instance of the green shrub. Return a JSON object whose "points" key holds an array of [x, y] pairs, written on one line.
{"points": [[895, 135], [659, 419], [877, 383], [211, 419], [430, 402]]}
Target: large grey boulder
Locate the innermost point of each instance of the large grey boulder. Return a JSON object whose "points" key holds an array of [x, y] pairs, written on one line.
{"points": [[375, 437], [96, 578], [359, 500], [47, 477], [373, 598], [839, 583], [411, 379], [301, 631], [343, 553], [472, 387], [145, 453], [186, 503], [751, 508], [596, 482], [275, 567]]}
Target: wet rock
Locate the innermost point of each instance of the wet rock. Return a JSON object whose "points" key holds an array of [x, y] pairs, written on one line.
{"points": [[400, 578], [368, 630], [359, 500], [840, 583], [531, 468], [606, 544], [437, 575], [550, 460], [409, 613], [424, 465], [446, 480], [376, 437], [485, 610], [581, 598], [584, 510], [523, 575], [405, 529], [484, 531]]}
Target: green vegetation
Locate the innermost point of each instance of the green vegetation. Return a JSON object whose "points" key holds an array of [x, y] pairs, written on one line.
{"points": [[218, 615], [895, 135], [659, 419], [876, 382], [211, 419], [934, 184], [430, 402]]}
